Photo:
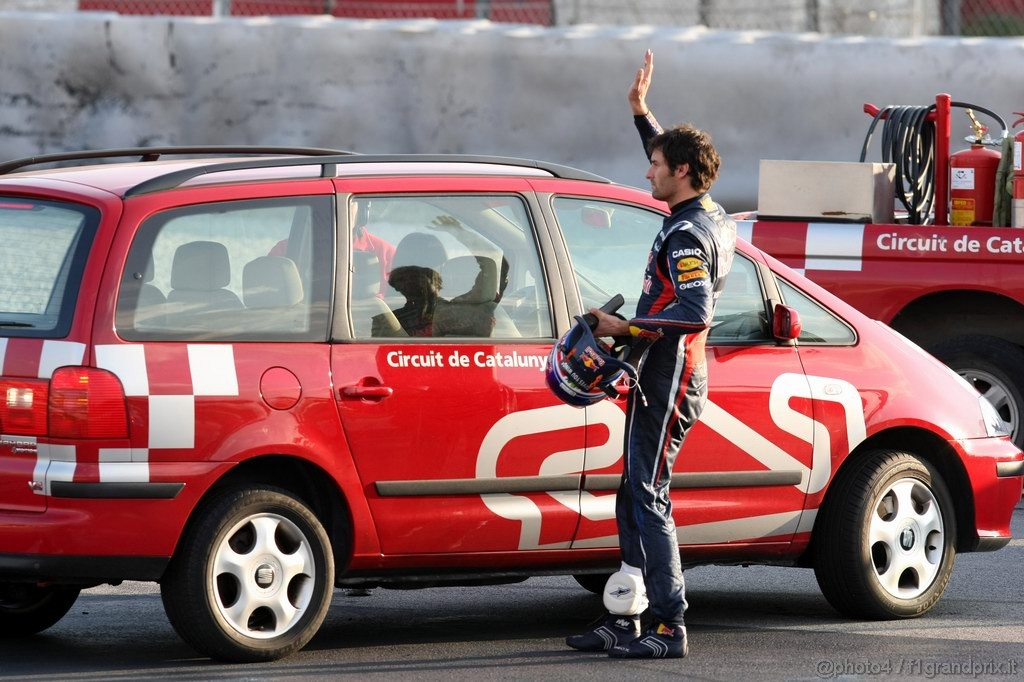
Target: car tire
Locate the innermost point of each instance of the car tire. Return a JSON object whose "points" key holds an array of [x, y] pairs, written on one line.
{"points": [[995, 368], [593, 582], [26, 609], [884, 543], [253, 577]]}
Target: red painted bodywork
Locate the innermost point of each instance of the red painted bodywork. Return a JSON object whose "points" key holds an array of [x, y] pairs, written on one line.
{"points": [[441, 424]]}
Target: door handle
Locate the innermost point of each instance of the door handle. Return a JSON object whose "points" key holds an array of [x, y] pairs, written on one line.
{"points": [[367, 392]]}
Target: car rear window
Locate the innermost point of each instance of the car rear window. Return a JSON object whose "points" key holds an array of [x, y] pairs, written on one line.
{"points": [[43, 247]]}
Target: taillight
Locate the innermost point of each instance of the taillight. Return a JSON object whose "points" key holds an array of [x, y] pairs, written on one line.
{"points": [[87, 403], [23, 407]]}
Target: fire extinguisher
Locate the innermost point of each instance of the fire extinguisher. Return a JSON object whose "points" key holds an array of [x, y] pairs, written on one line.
{"points": [[972, 182], [1018, 174]]}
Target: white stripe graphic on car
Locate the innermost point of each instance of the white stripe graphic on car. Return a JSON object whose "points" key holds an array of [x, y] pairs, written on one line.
{"points": [[602, 507]]}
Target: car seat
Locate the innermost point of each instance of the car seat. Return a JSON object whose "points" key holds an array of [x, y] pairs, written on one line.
{"points": [[271, 282], [151, 304], [420, 249], [273, 295], [370, 314], [198, 299], [469, 285]]}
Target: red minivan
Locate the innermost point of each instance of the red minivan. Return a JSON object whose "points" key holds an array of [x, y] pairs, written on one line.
{"points": [[255, 374]]}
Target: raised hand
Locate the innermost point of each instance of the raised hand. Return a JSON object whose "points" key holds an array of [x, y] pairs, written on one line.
{"points": [[641, 84]]}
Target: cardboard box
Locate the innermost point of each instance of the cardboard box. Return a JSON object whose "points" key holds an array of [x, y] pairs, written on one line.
{"points": [[826, 191]]}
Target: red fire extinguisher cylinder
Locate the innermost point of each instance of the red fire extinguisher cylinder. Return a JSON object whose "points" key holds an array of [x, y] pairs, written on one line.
{"points": [[1017, 219], [972, 185]]}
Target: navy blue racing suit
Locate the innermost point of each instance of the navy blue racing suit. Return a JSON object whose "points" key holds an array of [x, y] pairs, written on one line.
{"points": [[685, 273]]}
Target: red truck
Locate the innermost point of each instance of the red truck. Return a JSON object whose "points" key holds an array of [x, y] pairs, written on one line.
{"points": [[955, 290]]}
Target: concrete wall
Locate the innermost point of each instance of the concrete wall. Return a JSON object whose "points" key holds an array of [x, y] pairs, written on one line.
{"points": [[38, 5], [864, 17], [94, 81], [899, 18]]}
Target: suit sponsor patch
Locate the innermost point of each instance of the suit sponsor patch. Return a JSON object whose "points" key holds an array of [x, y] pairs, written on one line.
{"points": [[682, 253], [693, 274], [689, 264]]}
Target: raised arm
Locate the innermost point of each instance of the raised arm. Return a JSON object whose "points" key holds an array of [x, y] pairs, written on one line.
{"points": [[644, 120]]}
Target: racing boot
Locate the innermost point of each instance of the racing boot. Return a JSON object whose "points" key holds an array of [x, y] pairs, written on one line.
{"points": [[659, 641], [606, 632]]}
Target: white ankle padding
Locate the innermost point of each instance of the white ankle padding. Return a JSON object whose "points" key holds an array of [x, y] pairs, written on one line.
{"points": [[624, 593]]}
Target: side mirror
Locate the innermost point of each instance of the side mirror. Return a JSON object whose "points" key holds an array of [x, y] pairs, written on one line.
{"points": [[786, 323]]}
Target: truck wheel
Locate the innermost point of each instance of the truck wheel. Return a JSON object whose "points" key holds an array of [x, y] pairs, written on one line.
{"points": [[26, 609], [252, 579], [995, 368], [885, 539]]}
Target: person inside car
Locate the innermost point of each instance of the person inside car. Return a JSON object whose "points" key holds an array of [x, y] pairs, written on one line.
{"points": [[416, 275], [362, 240]]}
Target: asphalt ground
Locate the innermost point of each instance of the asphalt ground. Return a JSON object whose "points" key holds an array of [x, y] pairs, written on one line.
{"points": [[762, 623]]}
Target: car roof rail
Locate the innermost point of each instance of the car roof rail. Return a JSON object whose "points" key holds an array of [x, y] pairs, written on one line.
{"points": [[329, 165], [154, 153]]}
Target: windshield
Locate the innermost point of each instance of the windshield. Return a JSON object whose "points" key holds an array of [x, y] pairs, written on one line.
{"points": [[43, 246]]}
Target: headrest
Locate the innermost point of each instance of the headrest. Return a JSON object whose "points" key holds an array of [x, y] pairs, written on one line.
{"points": [[365, 274], [469, 279], [271, 282], [420, 249], [200, 266]]}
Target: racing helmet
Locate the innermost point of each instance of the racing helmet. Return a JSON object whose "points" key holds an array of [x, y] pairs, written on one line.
{"points": [[581, 370]]}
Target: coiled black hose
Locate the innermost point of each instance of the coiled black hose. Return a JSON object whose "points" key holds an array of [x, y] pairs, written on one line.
{"points": [[908, 140]]}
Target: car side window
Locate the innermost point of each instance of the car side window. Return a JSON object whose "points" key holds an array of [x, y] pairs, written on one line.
{"points": [[818, 324], [608, 244], [446, 266], [248, 271], [740, 314]]}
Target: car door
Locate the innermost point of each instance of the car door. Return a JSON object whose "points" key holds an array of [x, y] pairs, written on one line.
{"points": [[439, 370], [743, 471], [218, 333], [843, 388]]}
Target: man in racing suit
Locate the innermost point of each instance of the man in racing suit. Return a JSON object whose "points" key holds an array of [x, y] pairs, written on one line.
{"points": [[685, 273]]}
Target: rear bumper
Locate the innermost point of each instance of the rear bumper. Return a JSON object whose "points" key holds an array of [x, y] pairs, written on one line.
{"points": [[93, 537], [95, 532], [97, 527], [80, 569]]}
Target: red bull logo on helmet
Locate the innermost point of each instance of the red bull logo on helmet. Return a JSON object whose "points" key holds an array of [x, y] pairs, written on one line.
{"points": [[590, 359]]}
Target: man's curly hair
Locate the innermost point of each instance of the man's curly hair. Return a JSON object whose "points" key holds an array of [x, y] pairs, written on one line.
{"points": [[686, 144]]}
